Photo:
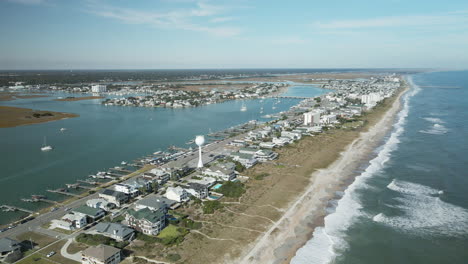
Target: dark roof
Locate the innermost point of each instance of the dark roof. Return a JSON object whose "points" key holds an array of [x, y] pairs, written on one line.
{"points": [[147, 214], [197, 186], [101, 252], [8, 245], [88, 210], [116, 194], [114, 229]]}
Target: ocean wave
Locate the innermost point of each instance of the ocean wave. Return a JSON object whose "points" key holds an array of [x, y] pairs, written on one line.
{"points": [[424, 212], [328, 241], [436, 129], [434, 120]]}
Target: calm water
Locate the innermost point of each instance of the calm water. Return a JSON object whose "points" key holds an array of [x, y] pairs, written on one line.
{"points": [[411, 204], [102, 137]]}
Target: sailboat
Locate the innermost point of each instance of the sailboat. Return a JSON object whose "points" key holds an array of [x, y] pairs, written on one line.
{"points": [[243, 108], [261, 110], [62, 129], [46, 147]]}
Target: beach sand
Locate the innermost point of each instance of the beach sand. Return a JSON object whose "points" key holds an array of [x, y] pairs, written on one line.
{"points": [[294, 228]]}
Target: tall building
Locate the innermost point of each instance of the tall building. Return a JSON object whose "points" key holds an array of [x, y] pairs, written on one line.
{"points": [[98, 88], [311, 118]]}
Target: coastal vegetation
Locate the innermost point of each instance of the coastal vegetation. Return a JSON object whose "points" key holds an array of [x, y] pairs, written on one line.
{"points": [[15, 116]]}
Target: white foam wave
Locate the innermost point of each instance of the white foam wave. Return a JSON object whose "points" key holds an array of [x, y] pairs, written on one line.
{"points": [[433, 119], [436, 129], [328, 241], [424, 213]]}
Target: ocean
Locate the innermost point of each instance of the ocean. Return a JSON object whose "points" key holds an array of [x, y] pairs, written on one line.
{"points": [[409, 204], [104, 136]]}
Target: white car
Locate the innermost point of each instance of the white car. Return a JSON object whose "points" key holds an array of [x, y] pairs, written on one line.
{"points": [[50, 254]]}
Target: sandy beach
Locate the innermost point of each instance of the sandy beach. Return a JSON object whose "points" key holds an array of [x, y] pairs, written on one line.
{"points": [[295, 227]]}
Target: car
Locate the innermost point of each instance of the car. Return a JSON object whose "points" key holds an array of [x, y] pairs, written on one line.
{"points": [[3, 230], [53, 209], [211, 155], [50, 254]]}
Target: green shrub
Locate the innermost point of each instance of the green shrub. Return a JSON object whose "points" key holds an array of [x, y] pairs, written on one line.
{"points": [[210, 206], [232, 189], [262, 175], [173, 257]]}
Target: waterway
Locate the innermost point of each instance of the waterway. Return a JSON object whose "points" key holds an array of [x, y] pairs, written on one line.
{"points": [[103, 136]]}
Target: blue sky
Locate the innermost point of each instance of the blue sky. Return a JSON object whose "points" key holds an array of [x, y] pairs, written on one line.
{"points": [[160, 34]]}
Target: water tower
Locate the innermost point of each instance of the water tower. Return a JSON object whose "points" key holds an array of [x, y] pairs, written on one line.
{"points": [[200, 140]]}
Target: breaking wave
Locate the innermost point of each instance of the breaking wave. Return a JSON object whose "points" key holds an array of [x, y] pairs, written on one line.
{"points": [[328, 241], [436, 129], [424, 212]]}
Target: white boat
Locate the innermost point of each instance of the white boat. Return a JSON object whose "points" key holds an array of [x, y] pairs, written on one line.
{"points": [[45, 147], [123, 163], [62, 129], [243, 108]]}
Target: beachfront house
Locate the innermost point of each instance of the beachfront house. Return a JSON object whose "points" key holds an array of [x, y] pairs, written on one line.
{"points": [[177, 194], [127, 189], [115, 197], [101, 254], [292, 135], [247, 160], [147, 221], [267, 145], [197, 190], [115, 231], [220, 172], [265, 155], [281, 141], [154, 203]]}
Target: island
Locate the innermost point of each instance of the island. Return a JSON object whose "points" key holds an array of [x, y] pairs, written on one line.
{"points": [[16, 116]]}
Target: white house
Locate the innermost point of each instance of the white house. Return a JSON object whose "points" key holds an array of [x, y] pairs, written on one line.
{"points": [[291, 135], [281, 141], [225, 174], [100, 203], [177, 194], [311, 118], [70, 221], [248, 160], [127, 189], [265, 155], [267, 145], [328, 119]]}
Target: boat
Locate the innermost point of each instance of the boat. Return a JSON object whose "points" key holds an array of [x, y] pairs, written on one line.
{"points": [[123, 163], [243, 108], [46, 147], [62, 129]]}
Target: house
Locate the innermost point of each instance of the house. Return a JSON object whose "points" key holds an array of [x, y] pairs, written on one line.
{"points": [[267, 145], [115, 231], [219, 172], [281, 141], [10, 250], [147, 221], [154, 202], [115, 197], [265, 155], [71, 221], [101, 254], [238, 143], [127, 189], [328, 119], [92, 214], [177, 194], [160, 175], [197, 190], [247, 160], [291, 135], [248, 150], [100, 203], [139, 183], [312, 118]]}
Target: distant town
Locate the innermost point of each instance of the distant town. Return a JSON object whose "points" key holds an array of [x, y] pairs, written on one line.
{"points": [[154, 199]]}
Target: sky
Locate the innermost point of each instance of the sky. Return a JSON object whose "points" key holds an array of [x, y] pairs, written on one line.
{"points": [[201, 34]]}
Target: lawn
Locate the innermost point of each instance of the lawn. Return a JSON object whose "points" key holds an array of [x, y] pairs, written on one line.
{"points": [[169, 231]]}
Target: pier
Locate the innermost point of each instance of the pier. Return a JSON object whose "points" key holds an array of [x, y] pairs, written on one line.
{"points": [[121, 170], [14, 208], [63, 192], [89, 182]]}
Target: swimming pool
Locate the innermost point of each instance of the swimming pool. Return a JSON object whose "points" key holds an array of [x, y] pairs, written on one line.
{"points": [[217, 186]]}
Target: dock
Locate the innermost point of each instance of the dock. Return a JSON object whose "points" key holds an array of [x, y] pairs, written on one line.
{"points": [[15, 208], [116, 174], [121, 170], [64, 193], [89, 182]]}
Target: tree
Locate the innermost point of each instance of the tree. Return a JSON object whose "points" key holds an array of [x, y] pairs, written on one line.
{"points": [[155, 186]]}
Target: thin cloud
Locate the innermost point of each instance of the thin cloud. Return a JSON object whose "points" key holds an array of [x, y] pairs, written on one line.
{"points": [[459, 18], [173, 19], [221, 19]]}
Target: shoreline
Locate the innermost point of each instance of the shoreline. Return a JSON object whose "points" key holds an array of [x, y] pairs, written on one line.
{"points": [[307, 211]]}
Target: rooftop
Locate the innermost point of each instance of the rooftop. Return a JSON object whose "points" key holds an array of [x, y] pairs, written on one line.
{"points": [[101, 252]]}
